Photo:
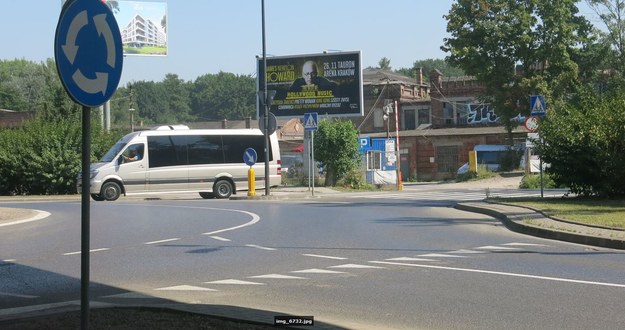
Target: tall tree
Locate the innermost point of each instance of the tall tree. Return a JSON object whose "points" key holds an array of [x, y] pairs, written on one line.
{"points": [[384, 63], [492, 39], [223, 96], [612, 15]]}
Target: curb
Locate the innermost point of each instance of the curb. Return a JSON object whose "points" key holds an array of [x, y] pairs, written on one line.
{"points": [[519, 227]]}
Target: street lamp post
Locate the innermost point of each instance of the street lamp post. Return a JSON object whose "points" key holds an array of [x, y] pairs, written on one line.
{"points": [[132, 119]]}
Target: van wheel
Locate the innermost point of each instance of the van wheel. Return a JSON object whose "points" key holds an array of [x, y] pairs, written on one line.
{"points": [[222, 189], [207, 195], [97, 197], [110, 191]]}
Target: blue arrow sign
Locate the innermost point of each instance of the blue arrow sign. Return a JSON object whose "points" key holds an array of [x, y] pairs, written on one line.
{"points": [[88, 52], [250, 156]]}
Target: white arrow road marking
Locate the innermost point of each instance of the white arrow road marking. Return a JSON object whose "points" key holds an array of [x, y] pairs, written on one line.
{"points": [[70, 49], [184, 288], [104, 29], [233, 281], [280, 277], [91, 86]]}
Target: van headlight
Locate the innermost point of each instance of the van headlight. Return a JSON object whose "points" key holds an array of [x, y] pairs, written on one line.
{"points": [[92, 174]]}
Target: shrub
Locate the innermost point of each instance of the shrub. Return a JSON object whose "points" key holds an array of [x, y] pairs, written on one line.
{"points": [[532, 181]]}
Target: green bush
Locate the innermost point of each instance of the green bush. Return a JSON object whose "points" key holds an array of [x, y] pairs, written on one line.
{"points": [[532, 181], [45, 156]]}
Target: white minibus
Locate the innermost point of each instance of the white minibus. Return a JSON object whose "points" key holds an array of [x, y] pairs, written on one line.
{"points": [[176, 159]]}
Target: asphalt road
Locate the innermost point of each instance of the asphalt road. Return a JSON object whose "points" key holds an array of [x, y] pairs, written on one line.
{"points": [[395, 261]]}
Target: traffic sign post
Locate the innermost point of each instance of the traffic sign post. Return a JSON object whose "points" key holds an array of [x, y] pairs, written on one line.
{"points": [[249, 157], [311, 123], [88, 56]]}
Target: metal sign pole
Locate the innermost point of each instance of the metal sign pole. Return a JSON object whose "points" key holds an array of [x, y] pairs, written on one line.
{"points": [[85, 219]]}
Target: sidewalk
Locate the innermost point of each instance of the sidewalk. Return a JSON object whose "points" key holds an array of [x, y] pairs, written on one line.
{"points": [[533, 222]]}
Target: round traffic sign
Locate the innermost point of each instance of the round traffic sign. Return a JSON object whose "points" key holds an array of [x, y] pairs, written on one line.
{"points": [[531, 123], [250, 156], [88, 52]]}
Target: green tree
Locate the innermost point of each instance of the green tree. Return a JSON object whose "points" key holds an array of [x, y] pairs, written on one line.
{"points": [[384, 63], [612, 15], [223, 96], [427, 65], [336, 146], [584, 143], [493, 39]]}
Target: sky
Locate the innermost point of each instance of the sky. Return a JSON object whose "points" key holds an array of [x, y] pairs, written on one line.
{"points": [[209, 36]]}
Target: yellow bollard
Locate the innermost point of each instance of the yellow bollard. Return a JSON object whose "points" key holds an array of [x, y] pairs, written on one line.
{"points": [[251, 182]]}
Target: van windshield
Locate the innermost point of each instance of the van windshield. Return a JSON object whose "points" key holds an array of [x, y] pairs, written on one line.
{"points": [[110, 155]]}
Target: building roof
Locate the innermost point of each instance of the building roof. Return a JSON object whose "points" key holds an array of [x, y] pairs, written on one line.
{"points": [[372, 76]]}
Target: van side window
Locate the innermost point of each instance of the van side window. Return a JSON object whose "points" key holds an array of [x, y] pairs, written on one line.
{"points": [[206, 149], [167, 151]]}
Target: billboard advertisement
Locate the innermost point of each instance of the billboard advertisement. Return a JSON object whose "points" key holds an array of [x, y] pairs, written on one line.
{"points": [[328, 84], [143, 26]]}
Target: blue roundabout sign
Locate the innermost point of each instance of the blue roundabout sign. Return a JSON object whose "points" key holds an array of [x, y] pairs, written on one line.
{"points": [[88, 51]]}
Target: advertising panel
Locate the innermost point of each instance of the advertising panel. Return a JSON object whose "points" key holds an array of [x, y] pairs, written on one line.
{"points": [[328, 84], [143, 26]]}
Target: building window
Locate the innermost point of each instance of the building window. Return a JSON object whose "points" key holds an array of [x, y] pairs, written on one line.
{"points": [[378, 118], [409, 120], [447, 159], [424, 116]]}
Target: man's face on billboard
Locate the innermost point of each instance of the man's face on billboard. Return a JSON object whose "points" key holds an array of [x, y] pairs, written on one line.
{"points": [[309, 71]]}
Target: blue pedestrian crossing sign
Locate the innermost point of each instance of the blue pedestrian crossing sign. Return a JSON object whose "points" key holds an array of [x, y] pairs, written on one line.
{"points": [[310, 121], [88, 51], [538, 107]]}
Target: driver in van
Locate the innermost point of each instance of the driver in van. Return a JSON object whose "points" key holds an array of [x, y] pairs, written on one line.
{"points": [[132, 156]]}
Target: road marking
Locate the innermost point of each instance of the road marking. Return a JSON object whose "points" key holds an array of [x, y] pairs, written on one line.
{"points": [[480, 271], [255, 219], [233, 281], [463, 251], [318, 271], [162, 241], [500, 248], [184, 288], [524, 244], [9, 260], [220, 238], [440, 255], [129, 295], [409, 259], [260, 247], [17, 295], [322, 256], [91, 251], [40, 215], [280, 277], [355, 266]]}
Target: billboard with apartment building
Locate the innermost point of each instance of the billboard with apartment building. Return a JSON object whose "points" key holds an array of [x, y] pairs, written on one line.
{"points": [[143, 26]]}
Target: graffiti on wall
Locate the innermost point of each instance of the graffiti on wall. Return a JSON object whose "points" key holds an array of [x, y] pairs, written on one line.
{"points": [[481, 114]]}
